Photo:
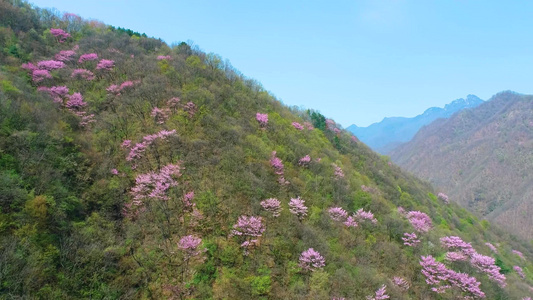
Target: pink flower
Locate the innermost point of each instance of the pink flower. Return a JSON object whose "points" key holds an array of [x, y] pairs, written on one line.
{"points": [[272, 205], [82, 73], [363, 215], [160, 115], [311, 260], [60, 34], [114, 171], [189, 244], [410, 239], [248, 226], [163, 57], [50, 65], [520, 272], [338, 173], [420, 221], [297, 125], [380, 294], [262, 119], [87, 57], [40, 75], [304, 161], [444, 198], [297, 207], [337, 214], [187, 199], [401, 283], [350, 222], [105, 64]]}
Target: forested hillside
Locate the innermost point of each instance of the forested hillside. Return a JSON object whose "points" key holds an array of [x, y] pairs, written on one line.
{"points": [[130, 169], [482, 158]]}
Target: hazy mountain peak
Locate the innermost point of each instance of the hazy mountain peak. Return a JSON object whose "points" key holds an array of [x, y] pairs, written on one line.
{"points": [[392, 131]]}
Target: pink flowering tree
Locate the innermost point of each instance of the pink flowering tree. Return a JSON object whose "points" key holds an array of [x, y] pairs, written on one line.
{"points": [[311, 260], [520, 254], [298, 208], [87, 57], [164, 57], [40, 75], [262, 119], [190, 246], [520, 272], [155, 185], [58, 93], [308, 126], [82, 74], [337, 172], [187, 200], [441, 278], [136, 152], [105, 64], [273, 206], [362, 215], [160, 115], [277, 165], [443, 197], [60, 35], [297, 125], [338, 214], [65, 55], [420, 221], [487, 265], [491, 247], [381, 294], [249, 229], [401, 283], [410, 239], [350, 222], [305, 161], [50, 65], [190, 108]]}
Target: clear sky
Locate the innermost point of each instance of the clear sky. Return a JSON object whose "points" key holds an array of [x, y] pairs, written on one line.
{"points": [[354, 61]]}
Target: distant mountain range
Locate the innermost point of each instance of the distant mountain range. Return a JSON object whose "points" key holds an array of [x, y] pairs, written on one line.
{"points": [[482, 158], [386, 135]]}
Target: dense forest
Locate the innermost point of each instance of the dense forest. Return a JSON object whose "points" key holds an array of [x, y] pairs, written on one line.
{"points": [[131, 169]]}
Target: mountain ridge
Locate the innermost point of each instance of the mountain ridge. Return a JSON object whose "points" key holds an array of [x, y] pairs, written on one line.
{"points": [[392, 131]]}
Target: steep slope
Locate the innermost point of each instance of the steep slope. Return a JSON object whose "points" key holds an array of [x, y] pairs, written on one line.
{"points": [[388, 134], [482, 158], [134, 170]]}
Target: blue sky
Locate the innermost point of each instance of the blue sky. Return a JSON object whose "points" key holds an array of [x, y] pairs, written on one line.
{"points": [[355, 61]]}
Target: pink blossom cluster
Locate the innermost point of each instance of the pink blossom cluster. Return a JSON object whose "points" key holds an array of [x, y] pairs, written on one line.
{"points": [[262, 119], [272, 205], [65, 55], [455, 243], [297, 125], [442, 278], [277, 165], [304, 161], [354, 139], [486, 264], [173, 102], [401, 283], [350, 222], [249, 245], [491, 247], [190, 108], [420, 221], [29, 66], [337, 173], [520, 272], [83, 74], [362, 215], [518, 253], [114, 171], [455, 256], [137, 150], [336, 130], [248, 226], [381, 294], [105, 64], [154, 185], [160, 115], [163, 57], [463, 250], [337, 214], [308, 126], [443, 197], [58, 93], [117, 89], [410, 239], [330, 124], [189, 245], [298, 208], [311, 260], [40, 75], [187, 199], [368, 189], [87, 57], [50, 65], [60, 34], [75, 102]]}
